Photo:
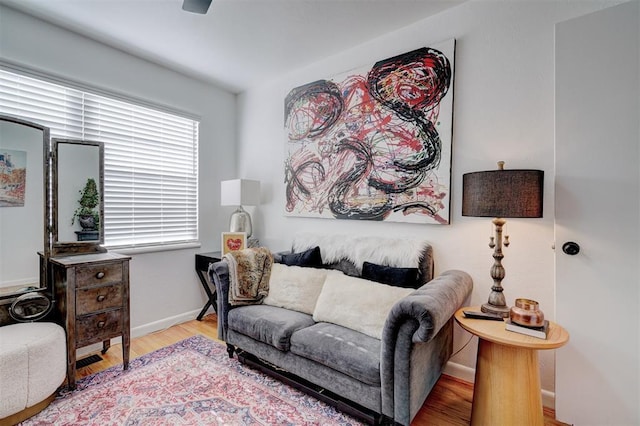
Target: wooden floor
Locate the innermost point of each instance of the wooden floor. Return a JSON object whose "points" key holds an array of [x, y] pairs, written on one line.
{"points": [[448, 404]]}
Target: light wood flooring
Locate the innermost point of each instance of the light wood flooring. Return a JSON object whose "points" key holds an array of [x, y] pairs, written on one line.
{"points": [[448, 404]]}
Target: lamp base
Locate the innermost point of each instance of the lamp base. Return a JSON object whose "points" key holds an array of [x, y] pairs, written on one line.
{"points": [[240, 222], [489, 308]]}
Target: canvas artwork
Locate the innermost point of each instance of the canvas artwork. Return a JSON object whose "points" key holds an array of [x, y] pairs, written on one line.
{"points": [[374, 143], [13, 177]]}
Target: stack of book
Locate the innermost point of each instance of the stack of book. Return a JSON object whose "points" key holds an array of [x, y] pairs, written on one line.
{"points": [[539, 332]]}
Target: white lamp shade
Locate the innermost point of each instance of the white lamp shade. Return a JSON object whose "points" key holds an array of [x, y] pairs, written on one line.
{"points": [[240, 192]]}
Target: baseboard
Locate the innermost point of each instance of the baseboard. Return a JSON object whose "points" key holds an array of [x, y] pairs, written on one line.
{"points": [[460, 371], [143, 330], [468, 374], [548, 399]]}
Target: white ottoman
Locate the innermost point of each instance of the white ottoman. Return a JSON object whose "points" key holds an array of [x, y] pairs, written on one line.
{"points": [[33, 364]]}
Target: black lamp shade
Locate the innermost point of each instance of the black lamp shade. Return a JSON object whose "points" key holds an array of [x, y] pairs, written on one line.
{"points": [[503, 193]]}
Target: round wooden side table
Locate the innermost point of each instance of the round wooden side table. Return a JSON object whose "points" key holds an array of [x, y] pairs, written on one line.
{"points": [[507, 384]]}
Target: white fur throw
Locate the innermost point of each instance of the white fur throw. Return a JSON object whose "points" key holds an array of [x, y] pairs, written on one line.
{"points": [[358, 304], [396, 252], [294, 287]]}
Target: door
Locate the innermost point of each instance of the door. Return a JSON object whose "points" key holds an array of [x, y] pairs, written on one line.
{"points": [[597, 193]]}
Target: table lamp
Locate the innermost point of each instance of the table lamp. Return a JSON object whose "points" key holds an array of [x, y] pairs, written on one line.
{"points": [[501, 194], [239, 192]]}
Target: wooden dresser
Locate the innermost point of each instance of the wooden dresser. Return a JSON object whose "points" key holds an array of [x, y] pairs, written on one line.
{"points": [[92, 301]]}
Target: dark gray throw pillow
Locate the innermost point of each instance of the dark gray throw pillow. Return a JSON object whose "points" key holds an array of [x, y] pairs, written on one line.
{"points": [[399, 277], [309, 258]]}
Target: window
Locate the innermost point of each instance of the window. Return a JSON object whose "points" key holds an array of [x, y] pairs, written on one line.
{"points": [[151, 157]]}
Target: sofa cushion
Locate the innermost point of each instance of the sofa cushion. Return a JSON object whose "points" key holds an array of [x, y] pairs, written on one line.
{"points": [[399, 277], [310, 258], [356, 303], [347, 351], [294, 287], [268, 324]]}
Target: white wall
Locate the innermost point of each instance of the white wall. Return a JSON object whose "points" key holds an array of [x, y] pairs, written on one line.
{"points": [[503, 110], [164, 285]]}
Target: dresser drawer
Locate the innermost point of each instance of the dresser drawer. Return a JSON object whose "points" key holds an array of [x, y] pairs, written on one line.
{"points": [[98, 274], [98, 327], [96, 299]]}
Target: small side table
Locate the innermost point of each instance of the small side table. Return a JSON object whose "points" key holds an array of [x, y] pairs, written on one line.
{"points": [[507, 384], [203, 260]]}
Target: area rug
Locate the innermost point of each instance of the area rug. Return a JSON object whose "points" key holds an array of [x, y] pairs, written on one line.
{"points": [[192, 382]]}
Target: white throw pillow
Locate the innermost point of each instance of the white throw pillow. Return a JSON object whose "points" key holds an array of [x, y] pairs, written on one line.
{"points": [[356, 303], [295, 287]]}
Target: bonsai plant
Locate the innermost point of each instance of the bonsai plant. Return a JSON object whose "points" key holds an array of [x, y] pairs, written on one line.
{"points": [[87, 214]]}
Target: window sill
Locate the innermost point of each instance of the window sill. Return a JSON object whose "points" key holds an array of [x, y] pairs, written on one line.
{"points": [[153, 249]]}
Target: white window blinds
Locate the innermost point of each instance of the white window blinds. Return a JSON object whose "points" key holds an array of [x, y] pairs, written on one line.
{"points": [[151, 157], [151, 172], [51, 105]]}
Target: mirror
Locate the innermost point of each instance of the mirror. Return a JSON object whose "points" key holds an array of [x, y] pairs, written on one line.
{"points": [[24, 206], [78, 194]]}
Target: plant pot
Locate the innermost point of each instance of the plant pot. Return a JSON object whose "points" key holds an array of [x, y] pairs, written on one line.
{"points": [[87, 222]]}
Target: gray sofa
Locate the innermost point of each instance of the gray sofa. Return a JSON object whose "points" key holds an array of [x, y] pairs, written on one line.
{"points": [[387, 379]]}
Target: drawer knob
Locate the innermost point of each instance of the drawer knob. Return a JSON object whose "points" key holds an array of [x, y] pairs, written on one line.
{"points": [[101, 298], [101, 324], [100, 275]]}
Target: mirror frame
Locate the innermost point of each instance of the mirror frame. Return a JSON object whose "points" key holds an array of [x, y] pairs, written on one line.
{"points": [[46, 184], [80, 247]]}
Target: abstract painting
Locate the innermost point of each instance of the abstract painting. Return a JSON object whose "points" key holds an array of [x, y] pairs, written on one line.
{"points": [[374, 143], [13, 177]]}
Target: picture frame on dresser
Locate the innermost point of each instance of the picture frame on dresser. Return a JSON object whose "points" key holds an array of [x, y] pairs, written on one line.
{"points": [[233, 241]]}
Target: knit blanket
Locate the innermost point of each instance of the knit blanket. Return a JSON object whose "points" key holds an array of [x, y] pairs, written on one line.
{"points": [[249, 273]]}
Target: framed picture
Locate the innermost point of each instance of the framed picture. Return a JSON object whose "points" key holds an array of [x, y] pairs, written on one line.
{"points": [[233, 241], [13, 177]]}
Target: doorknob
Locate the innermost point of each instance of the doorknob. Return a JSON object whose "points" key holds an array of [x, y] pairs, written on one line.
{"points": [[571, 248]]}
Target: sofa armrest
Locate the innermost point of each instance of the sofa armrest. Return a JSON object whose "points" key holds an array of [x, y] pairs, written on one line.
{"points": [[416, 342], [431, 306], [219, 274]]}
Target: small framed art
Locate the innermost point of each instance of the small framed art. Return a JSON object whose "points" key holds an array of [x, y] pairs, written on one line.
{"points": [[233, 241]]}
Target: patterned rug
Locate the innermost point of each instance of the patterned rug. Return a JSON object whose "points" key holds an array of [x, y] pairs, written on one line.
{"points": [[192, 382]]}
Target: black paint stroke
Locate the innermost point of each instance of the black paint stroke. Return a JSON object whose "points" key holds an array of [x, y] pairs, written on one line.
{"points": [[294, 184], [327, 115], [431, 61], [339, 192]]}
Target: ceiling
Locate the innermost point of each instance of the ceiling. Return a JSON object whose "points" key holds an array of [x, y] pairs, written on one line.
{"points": [[238, 43]]}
